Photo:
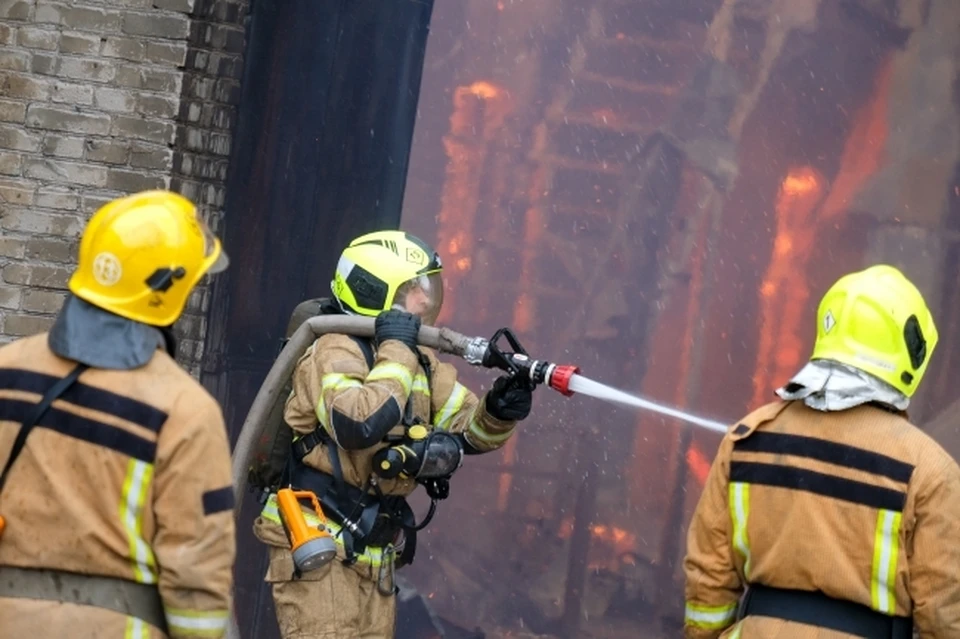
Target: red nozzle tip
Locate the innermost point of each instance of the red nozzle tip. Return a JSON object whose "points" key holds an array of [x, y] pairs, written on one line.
{"points": [[560, 379]]}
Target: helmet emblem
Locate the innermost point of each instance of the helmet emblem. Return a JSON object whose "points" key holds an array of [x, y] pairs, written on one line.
{"points": [[106, 269], [415, 255], [828, 322]]}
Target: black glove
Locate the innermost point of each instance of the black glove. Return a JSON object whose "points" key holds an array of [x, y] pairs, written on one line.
{"points": [[399, 325], [510, 399]]}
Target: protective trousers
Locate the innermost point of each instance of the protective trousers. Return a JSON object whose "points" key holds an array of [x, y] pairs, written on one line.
{"points": [[333, 602], [37, 619]]}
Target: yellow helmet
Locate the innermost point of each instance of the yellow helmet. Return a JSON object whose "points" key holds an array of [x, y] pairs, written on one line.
{"points": [[378, 271], [141, 256], [877, 321]]}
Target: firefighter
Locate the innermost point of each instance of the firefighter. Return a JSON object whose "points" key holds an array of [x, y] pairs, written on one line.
{"points": [[835, 513], [352, 400], [115, 492]]}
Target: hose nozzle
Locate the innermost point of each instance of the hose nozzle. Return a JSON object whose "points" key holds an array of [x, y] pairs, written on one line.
{"points": [[486, 353]]}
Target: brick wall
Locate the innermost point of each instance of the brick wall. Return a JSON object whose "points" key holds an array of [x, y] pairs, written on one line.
{"points": [[99, 99]]}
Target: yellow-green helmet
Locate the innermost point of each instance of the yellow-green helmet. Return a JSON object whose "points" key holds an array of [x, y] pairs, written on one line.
{"points": [[877, 321], [378, 271]]}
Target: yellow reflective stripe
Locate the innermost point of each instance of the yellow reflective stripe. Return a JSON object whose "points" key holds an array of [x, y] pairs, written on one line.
{"points": [[198, 623], [336, 382], [395, 372], [421, 384], [739, 494], [711, 617], [371, 556], [451, 407], [136, 629], [135, 488], [485, 436], [886, 547]]}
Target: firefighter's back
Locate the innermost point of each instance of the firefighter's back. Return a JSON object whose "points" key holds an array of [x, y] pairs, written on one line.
{"points": [[81, 497], [827, 502]]}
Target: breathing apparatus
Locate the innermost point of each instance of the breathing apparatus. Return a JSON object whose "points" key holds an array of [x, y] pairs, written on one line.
{"points": [[312, 546], [420, 455]]}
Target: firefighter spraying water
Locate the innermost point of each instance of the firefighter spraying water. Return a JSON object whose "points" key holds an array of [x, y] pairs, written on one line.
{"points": [[357, 412]]}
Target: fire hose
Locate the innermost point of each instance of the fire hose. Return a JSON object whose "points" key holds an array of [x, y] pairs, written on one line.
{"points": [[477, 351]]}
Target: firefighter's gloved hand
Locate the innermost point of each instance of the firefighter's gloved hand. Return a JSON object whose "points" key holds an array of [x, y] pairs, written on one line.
{"points": [[399, 325], [510, 399]]}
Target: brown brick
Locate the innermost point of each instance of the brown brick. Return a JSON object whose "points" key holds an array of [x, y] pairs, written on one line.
{"points": [[93, 69], [172, 53], [65, 172], [10, 296], [157, 106], [37, 38], [42, 301], [183, 6], [49, 250], [63, 146], [31, 221], [25, 325], [91, 19], [12, 247], [45, 63], [227, 12], [54, 197], [16, 193], [156, 25], [13, 60], [15, 85], [15, 9], [55, 118], [151, 157], [131, 182], [116, 100], [94, 200], [166, 80], [149, 130], [18, 139], [71, 93], [49, 12], [10, 163], [36, 275], [79, 43], [124, 48], [8, 34], [108, 151]]}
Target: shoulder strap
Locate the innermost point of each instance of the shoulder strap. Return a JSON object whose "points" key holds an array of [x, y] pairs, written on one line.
{"points": [[366, 348], [39, 411]]}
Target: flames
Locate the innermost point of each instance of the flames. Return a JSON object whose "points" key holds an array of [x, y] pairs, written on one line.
{"points": [[479, 112], [785, 290], [610, 544]]}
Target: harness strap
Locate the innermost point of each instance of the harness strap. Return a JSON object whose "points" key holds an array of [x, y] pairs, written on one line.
{"points": [[111, 593], [817, 609], [58, 389]]}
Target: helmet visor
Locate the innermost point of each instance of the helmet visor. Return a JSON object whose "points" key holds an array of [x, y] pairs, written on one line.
{"points": [[212, 245], [422, 295]]}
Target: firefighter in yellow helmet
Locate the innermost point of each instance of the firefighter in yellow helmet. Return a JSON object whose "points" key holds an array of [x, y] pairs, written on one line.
{"points": [[115, 492], [834, 513], [374, 420]]}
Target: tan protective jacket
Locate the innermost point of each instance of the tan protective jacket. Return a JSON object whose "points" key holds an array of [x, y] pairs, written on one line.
{"points": [[858, 504], [332, 384], [128, 475]]}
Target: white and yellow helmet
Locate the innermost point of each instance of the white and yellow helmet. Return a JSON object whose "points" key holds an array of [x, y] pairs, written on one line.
{"points": [[378, 270]]}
